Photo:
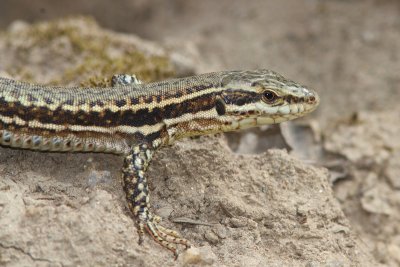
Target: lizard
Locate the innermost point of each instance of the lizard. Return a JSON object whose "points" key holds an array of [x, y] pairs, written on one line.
{"points": [[135, 119]]}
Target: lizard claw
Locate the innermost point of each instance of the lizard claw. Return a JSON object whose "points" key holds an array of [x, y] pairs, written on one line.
{"points": [[165, 237]]}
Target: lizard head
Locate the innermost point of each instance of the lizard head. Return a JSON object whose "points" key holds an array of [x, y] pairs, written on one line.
{"points": [[254, 98], [240, 100]]}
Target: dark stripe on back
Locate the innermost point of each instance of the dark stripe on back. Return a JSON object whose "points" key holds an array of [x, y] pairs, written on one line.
{"points": [[107, 118]]}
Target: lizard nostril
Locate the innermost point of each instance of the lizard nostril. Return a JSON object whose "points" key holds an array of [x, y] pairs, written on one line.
{"points": [[312, 98]]}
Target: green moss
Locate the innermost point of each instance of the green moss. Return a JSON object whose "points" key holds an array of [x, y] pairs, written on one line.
{"points": [[90, 62], [147, 68]]}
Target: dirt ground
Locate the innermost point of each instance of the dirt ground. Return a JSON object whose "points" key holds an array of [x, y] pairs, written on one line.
{"points": [[324, 191]]}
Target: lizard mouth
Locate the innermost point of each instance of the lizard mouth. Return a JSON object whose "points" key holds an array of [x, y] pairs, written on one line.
{"points": [[294, 110], [283, 113]]}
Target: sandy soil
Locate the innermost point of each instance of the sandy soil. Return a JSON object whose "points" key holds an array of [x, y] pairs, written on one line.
{"points": [[240, 203]]}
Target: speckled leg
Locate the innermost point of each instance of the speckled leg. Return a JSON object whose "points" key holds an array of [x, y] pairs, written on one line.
{"points": [[137, 194]]}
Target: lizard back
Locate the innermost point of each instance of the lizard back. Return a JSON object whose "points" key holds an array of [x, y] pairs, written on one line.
{"points": [[109, 119]]}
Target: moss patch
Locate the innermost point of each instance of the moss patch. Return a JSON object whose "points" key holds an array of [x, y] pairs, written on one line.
{"points": [[76, 50]]}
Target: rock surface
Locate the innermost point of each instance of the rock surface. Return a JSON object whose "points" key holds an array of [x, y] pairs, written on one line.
{"points": [[262, 209]]}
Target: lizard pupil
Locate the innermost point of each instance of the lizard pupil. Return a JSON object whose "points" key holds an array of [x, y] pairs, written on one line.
{"points": [[269, 96]]}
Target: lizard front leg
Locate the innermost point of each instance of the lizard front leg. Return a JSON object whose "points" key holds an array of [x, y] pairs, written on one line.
{"points": [[137, 194], [124, 79]]}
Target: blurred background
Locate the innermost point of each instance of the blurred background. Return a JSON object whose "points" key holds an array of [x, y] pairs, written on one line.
{"points": [[348, 51]]}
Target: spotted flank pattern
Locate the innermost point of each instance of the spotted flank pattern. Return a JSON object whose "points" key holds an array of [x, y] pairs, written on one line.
{"points": [[63, 144], [135, 119]]}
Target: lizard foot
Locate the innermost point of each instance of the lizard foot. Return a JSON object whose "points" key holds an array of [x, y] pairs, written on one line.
{"points": [[165, 237]]}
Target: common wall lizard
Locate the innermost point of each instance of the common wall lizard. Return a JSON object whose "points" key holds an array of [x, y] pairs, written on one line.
{"points": [[134, 120]]}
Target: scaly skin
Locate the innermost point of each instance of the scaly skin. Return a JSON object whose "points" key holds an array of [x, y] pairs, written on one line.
{"points": [[135, 119]]}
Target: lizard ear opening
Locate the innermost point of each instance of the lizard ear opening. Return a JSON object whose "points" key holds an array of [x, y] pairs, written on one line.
{"points": [[220, 106]]}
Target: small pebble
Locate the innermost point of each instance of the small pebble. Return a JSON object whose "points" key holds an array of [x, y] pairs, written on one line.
{"points": [[199, 256]]}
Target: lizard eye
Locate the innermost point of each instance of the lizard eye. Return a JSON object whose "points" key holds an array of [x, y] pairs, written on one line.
{"points": [[269, 96]]}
